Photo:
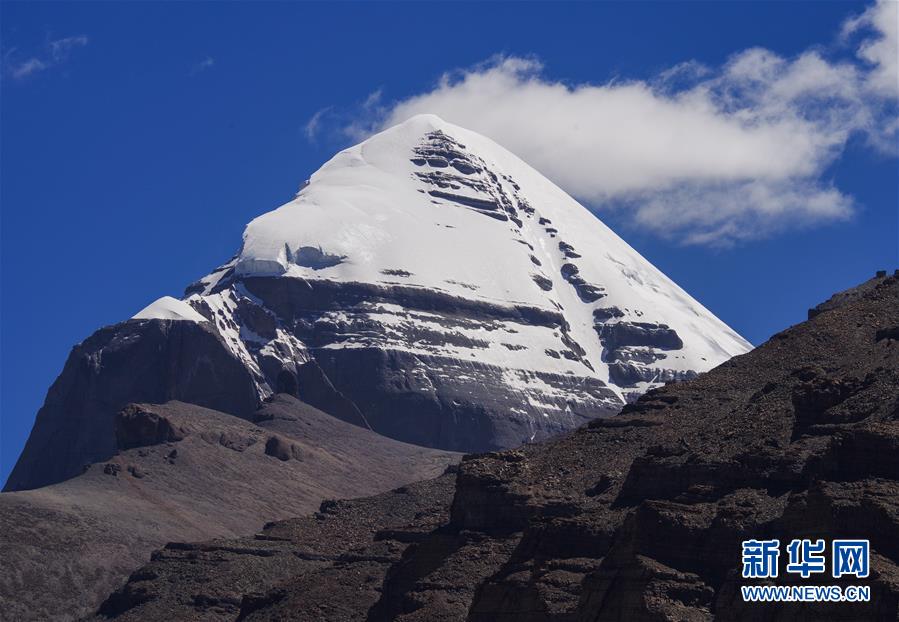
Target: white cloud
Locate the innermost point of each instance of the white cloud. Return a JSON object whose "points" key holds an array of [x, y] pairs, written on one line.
{"points": [[55, 52], [881, 23], [720, 214], [703, 155]]}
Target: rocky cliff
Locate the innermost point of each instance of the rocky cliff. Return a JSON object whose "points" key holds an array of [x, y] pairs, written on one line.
{"points": [[142, 360]]}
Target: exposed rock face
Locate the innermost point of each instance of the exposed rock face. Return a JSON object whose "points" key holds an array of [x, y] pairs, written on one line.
{"points": [[423, 396], [138, 426], [634, 349], [634, 517], [150, 361], [182, 472]]}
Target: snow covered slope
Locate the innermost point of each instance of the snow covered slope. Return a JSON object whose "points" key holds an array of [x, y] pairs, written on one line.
{"points": [[168, 308], [429, 266]]}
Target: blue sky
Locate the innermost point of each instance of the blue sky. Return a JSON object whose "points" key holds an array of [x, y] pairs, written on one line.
{"points": [[139, 138]]}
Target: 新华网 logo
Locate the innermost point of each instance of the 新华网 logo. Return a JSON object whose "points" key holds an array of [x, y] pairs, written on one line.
{"points": [[806, 558]]}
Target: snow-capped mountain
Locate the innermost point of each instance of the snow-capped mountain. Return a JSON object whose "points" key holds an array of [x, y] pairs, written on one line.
{"points": [[425, 283], [470, 279]]}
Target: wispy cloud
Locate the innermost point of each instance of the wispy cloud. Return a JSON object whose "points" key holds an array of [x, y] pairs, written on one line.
{"points": [[358, 123], [203, 65], [27, 67], [53, 53], [878, 49], [313, 125], [700, 154]]}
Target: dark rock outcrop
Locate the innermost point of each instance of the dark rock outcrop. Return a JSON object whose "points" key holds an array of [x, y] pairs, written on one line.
{"points": [[633, 517], [587, 292], [150, 361], [633, 348], [619, 334], [568, 250], [141, 427], [282, 449]]}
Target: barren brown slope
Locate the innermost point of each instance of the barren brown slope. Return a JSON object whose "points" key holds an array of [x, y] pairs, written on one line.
{"points": [[184, 473], [637, 517]]}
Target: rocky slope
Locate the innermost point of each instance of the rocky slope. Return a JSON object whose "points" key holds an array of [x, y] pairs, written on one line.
{"points": [[143, 360], [183, 472], [425, 283], [634, 517]]}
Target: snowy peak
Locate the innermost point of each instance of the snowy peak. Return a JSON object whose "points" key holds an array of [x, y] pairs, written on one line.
{"points": [[430, 265], [431, 205]]}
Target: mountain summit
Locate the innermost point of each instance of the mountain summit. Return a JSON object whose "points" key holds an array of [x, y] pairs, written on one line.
{"points": [[444, 252], [427, 284]]}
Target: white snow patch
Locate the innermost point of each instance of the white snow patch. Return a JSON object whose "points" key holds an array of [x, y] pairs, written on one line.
{"points": [[168, 308]]}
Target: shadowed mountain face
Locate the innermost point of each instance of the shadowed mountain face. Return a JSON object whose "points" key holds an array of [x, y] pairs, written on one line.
{"points": [[634, 517], [150, 361], [183, 472]]}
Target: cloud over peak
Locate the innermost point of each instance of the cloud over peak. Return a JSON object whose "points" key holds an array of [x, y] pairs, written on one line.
{"points": [[699, 154]]}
